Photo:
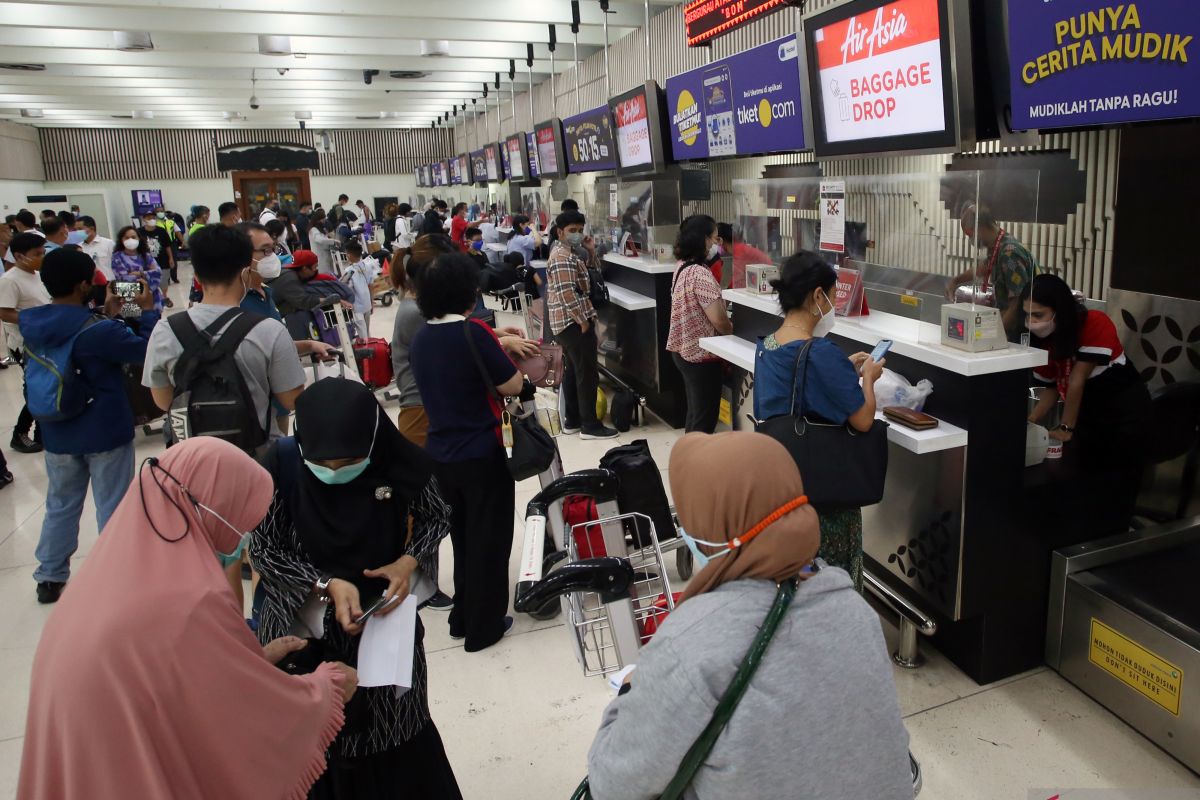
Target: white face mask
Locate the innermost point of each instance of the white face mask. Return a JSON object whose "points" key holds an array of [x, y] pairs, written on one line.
{"points": [[151, 224], [130, 244], [714, 250], [824, 325], [1042, 329], [269, 267]]}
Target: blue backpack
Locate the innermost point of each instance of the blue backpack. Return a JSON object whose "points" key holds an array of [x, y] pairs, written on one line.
{"points": [[54, 389]]}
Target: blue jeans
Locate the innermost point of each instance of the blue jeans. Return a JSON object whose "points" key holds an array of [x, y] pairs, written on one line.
{"points": [[110, 473]]}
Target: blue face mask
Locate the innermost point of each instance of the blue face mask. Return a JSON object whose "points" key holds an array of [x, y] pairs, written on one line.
{"points": [[76, 237], [700, 557], [343, 475], [227, 559], [477, 244]]}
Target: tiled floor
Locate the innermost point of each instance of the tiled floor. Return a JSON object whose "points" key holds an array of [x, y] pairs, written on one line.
{"points": [[518, 718]]}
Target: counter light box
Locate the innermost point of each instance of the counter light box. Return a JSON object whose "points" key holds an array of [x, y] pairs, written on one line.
{"points": [[588, 141], [552, 161], [517, 147], [638, 117], [478, 166], [890, 77], [491, 162]]}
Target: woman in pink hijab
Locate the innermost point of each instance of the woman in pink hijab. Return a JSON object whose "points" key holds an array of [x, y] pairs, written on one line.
{"points": [[147, 682]]}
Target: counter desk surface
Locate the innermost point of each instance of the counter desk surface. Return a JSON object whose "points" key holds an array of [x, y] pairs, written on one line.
{"points": [[646, 265]]}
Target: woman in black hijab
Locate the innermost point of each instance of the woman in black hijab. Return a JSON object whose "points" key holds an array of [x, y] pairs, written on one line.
{"points": [[337, 533]]}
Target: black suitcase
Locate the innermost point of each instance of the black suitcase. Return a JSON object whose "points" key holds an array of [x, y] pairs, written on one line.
{"points": [[641, 490]]}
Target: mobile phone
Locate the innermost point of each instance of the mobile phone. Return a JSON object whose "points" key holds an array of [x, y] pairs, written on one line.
{"points": [[881, 349], [127, 289], [376, 606]]}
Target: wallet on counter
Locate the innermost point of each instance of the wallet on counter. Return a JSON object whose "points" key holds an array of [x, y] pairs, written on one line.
{"points": [[909, 418]]}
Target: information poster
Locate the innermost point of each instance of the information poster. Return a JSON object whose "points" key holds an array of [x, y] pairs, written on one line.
{"points": [[833, 216], [880, 73], [588, 140], [1088, 62], [547, 153], [633, 131], [746, 104]]}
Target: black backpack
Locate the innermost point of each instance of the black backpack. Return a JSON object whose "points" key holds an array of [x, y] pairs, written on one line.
{"points": [[211, 396], [623, 409], [640, 489]]}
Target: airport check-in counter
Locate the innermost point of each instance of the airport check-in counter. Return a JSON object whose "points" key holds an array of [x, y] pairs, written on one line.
{"points": [[965, 531], [632, 333]]}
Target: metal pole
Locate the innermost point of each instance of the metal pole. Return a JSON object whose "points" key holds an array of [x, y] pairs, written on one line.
{"points": [[607, 78], [646, 13], [529, 64], [577, 108], [553, 94], [512, 89], [499, 102]]}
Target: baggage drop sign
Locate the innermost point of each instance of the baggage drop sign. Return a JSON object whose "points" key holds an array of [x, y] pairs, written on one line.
{"points": [[881, 73], [1089, 62]]}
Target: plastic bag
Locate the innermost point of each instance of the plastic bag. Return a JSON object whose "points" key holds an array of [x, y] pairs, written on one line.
{"points": [[893, 389]]}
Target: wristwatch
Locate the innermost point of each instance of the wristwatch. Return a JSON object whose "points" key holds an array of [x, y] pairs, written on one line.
{"points": [[322, 587], [1066, 428]]}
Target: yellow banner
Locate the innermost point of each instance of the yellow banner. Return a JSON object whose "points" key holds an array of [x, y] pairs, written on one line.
{"points": [[1157, 679], [725, 414]]}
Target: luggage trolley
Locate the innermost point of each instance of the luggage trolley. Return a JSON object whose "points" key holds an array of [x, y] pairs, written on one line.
{"points": [[613, 603]]}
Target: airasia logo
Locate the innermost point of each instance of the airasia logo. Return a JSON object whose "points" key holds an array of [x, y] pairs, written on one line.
{"points": [[631, 111], [880, 34]]}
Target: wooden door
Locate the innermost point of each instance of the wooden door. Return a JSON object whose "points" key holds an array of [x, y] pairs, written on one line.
{"points": [[254, 189]]}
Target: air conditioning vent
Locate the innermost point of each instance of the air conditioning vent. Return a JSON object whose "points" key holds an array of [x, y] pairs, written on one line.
{"points": [[275, 45], [132, 41], [32, 113], [24, 67], [435, 48], [408, 74]]}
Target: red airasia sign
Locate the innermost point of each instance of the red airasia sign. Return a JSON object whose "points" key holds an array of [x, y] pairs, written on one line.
{"points": [[705, 20]]}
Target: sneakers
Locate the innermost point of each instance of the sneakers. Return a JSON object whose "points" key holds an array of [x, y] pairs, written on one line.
{"points": [[49, 592], [570, 430], [6, 478], [508, 626], [439, 602], [598, 432], [23, 444]]}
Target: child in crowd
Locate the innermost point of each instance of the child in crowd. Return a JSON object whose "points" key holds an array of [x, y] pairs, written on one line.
{"points": [[359, 273]]}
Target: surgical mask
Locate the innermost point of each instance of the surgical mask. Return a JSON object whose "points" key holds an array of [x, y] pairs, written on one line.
{"points": [[226, 559], [269, 267], [343, 475], [824, 326], [477, 244], [702, 559], [131, 244], [161, 215], [575, 239], [151, 224], [714, 251], [1042, 329], [76, 237]]}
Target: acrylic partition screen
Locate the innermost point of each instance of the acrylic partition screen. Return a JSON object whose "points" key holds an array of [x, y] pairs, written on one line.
{"points": [[909, 235]]}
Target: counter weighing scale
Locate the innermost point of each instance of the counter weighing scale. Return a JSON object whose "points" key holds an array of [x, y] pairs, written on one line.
{"points": [[974, 328]]}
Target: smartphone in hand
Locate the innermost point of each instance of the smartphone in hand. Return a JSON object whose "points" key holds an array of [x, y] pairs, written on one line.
{"points": [[881, 349]]}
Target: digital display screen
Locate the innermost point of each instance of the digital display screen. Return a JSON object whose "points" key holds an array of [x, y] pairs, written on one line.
{"points": [[531, 149], [504, 160], [880, 77], [456, 174], [548, 140], [588, 141], [478, 167], [956, 328], [707, 19], [633, 131], [518, 159], [491, 162]]}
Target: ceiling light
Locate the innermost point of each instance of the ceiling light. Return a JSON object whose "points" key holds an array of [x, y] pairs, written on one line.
{"points": [[32, 113], [389, 114], [132, 41], [232, 115], [303, 115], [24, 67], [143, 115], [435, 48], [275, 45]]}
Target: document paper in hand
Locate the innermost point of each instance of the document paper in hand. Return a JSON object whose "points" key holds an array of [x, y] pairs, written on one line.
{"points": [[385, 655]]}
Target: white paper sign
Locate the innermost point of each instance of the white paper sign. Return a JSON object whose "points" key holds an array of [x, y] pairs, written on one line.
{"points": [[833, 216], [385, 654]]}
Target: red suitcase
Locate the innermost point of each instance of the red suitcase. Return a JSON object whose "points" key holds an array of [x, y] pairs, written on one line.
{"points": [[374, 357]]}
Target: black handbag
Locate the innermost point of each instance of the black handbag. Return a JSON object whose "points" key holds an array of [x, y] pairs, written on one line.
{"points": [[841, 467], [599, 291], [533, 449]]}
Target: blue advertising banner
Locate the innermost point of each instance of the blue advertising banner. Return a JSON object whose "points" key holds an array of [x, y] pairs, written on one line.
{"points": [[531, 148], [1087, 62], [588, 140], [744, 105]]}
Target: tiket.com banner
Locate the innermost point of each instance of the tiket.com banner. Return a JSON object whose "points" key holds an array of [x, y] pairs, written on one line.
{"points": [[745, 105], [881, 73], [1084, 62]]}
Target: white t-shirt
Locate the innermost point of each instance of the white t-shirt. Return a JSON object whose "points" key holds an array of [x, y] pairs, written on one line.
{"points": [[20, 290], [101, 251]]}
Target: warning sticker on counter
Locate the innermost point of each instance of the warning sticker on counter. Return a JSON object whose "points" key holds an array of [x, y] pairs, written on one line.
{"points": [[1157, 679]]}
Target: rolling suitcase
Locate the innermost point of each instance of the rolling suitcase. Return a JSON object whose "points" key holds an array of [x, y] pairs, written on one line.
{"points": [[374, 357]]}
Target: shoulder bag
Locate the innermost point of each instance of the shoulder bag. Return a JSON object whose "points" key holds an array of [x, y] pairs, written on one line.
{"points": [[598, 293], [841, 467], [544, 369], [533, 449], [694, 759]]}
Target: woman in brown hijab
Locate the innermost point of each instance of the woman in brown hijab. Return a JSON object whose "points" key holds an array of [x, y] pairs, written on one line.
{"points": [[820, 717]]}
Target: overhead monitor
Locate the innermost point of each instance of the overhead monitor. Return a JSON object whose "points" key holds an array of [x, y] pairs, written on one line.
{"points": [[443, 170], [890, 77], [588, 141], [531, 150], [492, 165], [552, 161], [478, 165], [638, 117], [517, 147], [456, 176]]}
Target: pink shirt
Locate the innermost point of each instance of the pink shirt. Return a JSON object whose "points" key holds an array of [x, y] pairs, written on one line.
{"points": [[694, 290]]}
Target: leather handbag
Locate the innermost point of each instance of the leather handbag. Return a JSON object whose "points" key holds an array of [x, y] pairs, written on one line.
{"points": [[532, 449], [598, 293], [545, 369], [698, 752], [841, 467]]}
